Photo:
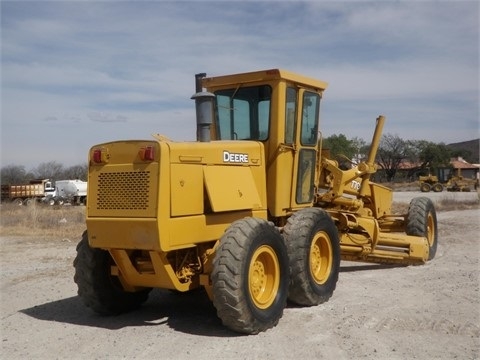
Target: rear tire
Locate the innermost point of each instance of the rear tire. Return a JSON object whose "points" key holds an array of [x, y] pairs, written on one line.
{"points": [[99, 290], [250, 276], [422, 221], [424, 187], [437, 187], [314, 255], [18, 202]]}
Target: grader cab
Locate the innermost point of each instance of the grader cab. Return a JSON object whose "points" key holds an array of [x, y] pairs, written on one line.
{"points": [[251, 211]]}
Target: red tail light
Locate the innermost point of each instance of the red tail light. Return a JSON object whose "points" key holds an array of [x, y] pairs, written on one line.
{"points": [[147, 153], [150, 153], [97, 156], [100, 156]]}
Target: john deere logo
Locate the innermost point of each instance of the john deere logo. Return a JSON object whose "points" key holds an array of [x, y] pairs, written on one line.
{"points": [[234, 158]]}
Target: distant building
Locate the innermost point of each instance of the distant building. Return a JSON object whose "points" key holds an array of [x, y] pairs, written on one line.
{"points": [[409, 171], [464, 168]]}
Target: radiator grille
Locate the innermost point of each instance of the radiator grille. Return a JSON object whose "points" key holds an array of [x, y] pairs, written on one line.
{"points": [[127, 190]]}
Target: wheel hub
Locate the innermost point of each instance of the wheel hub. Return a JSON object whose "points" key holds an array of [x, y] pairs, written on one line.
{"points": [[321, 257], [430, 230], [264, 277]]}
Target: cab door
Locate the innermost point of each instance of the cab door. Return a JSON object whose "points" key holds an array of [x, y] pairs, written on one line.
{"points": [[305, 157]]}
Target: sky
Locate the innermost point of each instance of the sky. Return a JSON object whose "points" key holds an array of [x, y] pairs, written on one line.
{"points": [[79, 73]]}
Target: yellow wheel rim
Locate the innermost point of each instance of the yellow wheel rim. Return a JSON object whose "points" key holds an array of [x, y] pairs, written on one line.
{"points": [[430, 230], [264, 277], [321, 257]]}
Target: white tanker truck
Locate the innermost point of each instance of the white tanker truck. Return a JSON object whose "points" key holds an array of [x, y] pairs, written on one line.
{"points": [[69, 191]]}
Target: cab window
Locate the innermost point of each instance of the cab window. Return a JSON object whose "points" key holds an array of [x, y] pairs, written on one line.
{"points": [[306, 172], [290, 115], [310, 110], [243, 113]]}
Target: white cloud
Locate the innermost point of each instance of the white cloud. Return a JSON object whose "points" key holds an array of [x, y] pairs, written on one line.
{"points": [[131, 65]]}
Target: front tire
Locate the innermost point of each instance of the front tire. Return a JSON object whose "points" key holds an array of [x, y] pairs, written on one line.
{"points": [[314, 255], [250, 276], [422, 221], [425, 187], [99, 290]]}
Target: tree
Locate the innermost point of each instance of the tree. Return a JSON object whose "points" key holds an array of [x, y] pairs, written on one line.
{"points": [[79, 172], [467, 155], [391, 152], [14, 174], [361, 149], [340, 148], [50, 170], [432, 155]]}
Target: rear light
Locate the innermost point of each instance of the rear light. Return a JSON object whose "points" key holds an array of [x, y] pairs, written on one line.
{"points": [[147, 153], [99, 156]]}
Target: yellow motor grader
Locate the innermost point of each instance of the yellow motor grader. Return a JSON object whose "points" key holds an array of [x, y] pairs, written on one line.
{"points": [[454, 183], [253, 211], [430, 182]]}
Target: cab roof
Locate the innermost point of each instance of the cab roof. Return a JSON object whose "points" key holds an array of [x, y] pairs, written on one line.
{"points": [[263, 75]]}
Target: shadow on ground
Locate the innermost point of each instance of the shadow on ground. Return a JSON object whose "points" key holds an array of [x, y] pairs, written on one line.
{"points": [[353, 267], [191, 313]]}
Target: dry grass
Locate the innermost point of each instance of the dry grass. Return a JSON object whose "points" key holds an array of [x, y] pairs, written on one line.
{"points": [[65, 222], [68, 222], [442, 205], [402, 186], [452, 204]]}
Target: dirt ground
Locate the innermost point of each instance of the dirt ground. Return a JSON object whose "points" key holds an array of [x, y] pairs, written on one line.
{"points": [[377, 312]]}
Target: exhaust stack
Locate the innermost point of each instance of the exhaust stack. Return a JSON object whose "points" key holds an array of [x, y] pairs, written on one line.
{"points": [[204, 105]]}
